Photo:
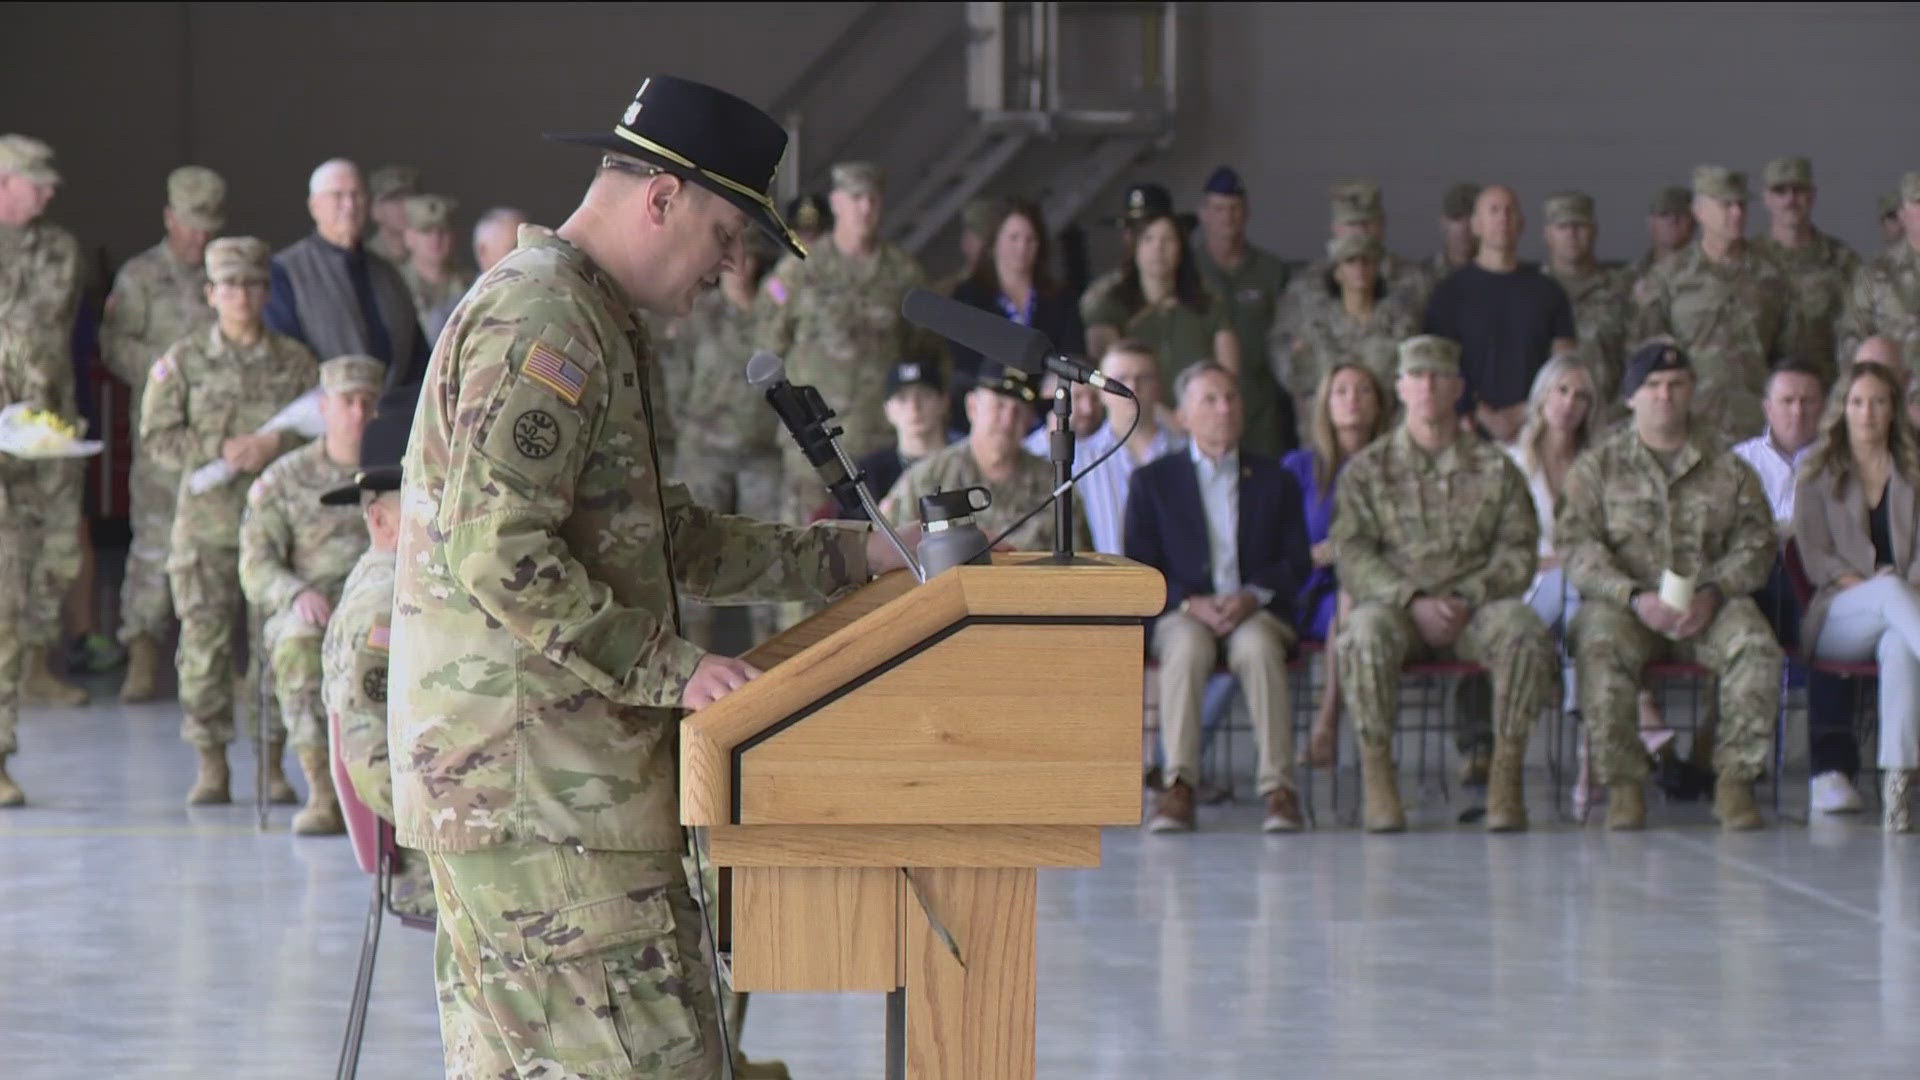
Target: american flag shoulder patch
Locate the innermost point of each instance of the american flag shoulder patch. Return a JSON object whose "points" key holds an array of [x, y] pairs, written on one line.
{"points": [[556, 373], [377, 637]]}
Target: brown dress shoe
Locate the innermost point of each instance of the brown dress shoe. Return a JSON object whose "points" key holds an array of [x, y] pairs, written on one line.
{"points": [[1283, 812], [1173, 811]]}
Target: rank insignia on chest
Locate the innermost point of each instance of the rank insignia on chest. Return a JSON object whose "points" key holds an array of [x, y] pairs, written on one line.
{"points": [[556, 373]]}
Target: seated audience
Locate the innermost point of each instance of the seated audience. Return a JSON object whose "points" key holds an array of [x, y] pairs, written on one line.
{"points": [[1855, 521], [1435, 539], [1160, 300], [1349, 413], [1087, 411], [1667, 535], [917, 412], [1225, 529], [1102, 493], [1014, 278]]}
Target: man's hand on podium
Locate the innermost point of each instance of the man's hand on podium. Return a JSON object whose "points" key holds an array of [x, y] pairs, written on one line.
{"points": [[714, 678], [880, 554]]}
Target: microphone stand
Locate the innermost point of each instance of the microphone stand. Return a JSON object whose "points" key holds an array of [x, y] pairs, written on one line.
{"points": [[1060, 442], [859, 482]]}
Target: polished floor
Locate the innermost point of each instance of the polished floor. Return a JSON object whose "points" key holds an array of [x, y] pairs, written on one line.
{"points": [[141, 939]]}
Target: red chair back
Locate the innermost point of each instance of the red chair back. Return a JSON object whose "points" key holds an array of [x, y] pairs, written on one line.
{"points": [[363, 825]]}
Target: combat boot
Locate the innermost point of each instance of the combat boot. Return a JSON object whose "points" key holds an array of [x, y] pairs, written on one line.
{"points": [[10, 793], [759, 1070], [1733, 805], [40, 686], [279, 792], [1626, 806], [211, 786], [143, 671], [321, 815], [1506, 796], [1381, 809]]}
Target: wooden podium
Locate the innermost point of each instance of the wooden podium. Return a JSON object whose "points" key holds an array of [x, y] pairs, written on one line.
{"points": [[878, 801]]}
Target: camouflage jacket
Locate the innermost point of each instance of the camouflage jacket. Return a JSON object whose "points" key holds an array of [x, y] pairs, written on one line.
{"points": [[353, 670], [1733, 321], [1623, 521], [203, 391], [1321, 334], [1408, 283], [1820, 274], [289, 543], [1408, 523], [156, 301], [1179, 334], [952, 467], [428, 297], [703, 366], [836, 322], [536, 660], [1099, 294], [1885, 300], [39, 296], [1602, 310]]}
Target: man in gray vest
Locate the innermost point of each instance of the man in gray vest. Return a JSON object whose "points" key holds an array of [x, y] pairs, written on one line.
{"points": [[333, 295]]}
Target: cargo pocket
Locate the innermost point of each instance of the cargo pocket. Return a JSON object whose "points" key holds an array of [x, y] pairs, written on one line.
{"points": [[614, 987]]}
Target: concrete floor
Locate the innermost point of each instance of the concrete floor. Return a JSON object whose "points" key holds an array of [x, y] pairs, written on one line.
{"points": [[141, 939]]}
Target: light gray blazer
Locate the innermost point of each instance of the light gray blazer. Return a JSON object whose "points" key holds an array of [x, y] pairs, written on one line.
{"points": [[1831, 532]]}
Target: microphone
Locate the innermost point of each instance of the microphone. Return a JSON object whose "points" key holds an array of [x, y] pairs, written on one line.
{"points": [[1000, 339]]}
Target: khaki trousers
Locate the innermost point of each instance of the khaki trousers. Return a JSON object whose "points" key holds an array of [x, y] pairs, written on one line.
{"points": [[1256, 652]]}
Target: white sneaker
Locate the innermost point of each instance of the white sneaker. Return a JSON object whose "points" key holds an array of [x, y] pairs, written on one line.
{"points": [[1833, 793]]}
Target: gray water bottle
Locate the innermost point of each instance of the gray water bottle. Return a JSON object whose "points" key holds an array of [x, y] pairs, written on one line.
{"points": [[951, 537]]}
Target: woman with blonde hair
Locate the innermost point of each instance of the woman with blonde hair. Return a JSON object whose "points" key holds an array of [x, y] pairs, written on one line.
{"points": [[1349, 412], [1855, 521]]}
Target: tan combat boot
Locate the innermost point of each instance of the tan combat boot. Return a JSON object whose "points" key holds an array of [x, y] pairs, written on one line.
{"points": [[1733, 805], [279, 792], [1626, 806], [211, 786], [1381, 810], [10, 793], [143, 671], [40, 686], [321, 815], [1506, 797]]}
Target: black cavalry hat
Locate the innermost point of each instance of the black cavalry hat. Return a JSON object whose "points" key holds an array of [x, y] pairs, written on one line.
{"points": [[382, 445], [707, 137]]}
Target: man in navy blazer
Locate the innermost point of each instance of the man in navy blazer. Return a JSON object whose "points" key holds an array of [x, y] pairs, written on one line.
{"points": [[1228, 532]]}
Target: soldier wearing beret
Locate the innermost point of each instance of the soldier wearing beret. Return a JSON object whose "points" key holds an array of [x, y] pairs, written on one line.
{"points": [[1885, 299], [538, 674], [1601, 306], [206, 400], [432, 276], [1820, 269], [1436, 539], [1663, 498], [295, 554], [158, 297], [1249, 282]]}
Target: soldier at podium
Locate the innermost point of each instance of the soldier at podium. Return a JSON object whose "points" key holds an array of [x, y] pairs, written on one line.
{"points": [[536, 670]]}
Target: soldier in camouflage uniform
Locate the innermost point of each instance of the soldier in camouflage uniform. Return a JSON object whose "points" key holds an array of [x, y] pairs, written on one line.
{"points": [[537, 673], [1601, 304], [726, 439], [1457, 242], [1357, 211], [835, 319], [39, 295], [206, 400], [1141, 203], [295, 554], [1351, 317], [1885, 300], [390, 186], [1436, 537], [1000, 409], [1670, 228], [1725, 304], [1819, 268], [16, 486], [159, 297], [1247, 281], [1663, 496], [433, 279]]}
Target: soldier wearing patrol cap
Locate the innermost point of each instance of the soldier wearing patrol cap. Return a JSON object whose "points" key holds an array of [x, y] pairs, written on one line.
{"points": [[432, 276], [1670, 228], [207, 398], [1725, 304], [1436, 539], [1601, 306], [1885, 298], [1457, 244], [1891, 230], [1000, 408], [1248, 282], [1356, 210], [537, 672], [295, 554], [389, 187], [1352, 317], [917, 409], [158, 297], [1819, 268]]}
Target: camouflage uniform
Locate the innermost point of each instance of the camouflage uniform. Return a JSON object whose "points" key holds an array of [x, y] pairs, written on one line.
{"points": [[1322, 334], [536, 676], [1457, 523], [1733, 319], [18, 486], [205, 390], [726, 449], [1249, 295], [1820, 275], [1179, 334], [1099, 295], [1602, 308], [426, 213], [952, 467], [289, 544], [1885, 300], [1624, 520], [836, 321]]}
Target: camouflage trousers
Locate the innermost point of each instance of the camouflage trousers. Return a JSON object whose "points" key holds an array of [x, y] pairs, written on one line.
{"points": [[1505, 637], [293, 653], [1611, 646], [214, 620], [146, 606], [49, 512], [14, 570], [748, 486], [561, 962]]}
